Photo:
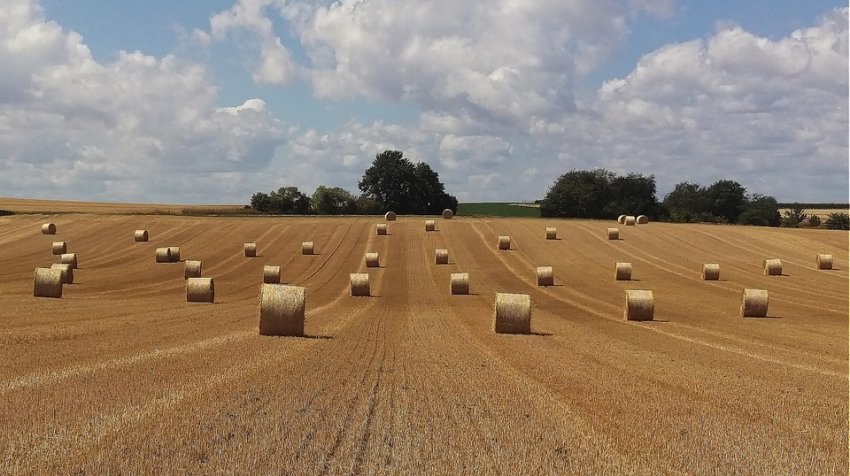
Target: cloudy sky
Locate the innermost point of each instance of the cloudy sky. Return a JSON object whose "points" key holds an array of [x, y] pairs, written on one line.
{"points": [[200, 101]]}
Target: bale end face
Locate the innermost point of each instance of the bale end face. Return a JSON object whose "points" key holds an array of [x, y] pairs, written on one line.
{"points": [[359, 284], [504, 242], [448, 214], [772, 267], [390, 216], [381, 229], [59, 247], [824, 261], [623, 272], [512, 314], [192, 269], [69, 258], [639, 306], [430, 225], [441, 256], [163, 255], [630, 221], [307, 248], [613, 233], [754, 303], [282, 310], [141, 235], [371, 260], [545, 276], [642, 219], [551, 233], [200, 290], [710, 272], [621, 219], [459, 283], [67, 272], [48, 229], [271, 274], [250, 250], [47, 283]]}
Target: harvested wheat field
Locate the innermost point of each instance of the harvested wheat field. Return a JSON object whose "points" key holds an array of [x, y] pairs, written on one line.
{"points": [[122, 375]]}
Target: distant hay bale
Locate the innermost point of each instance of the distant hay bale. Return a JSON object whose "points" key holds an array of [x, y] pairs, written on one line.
{"points": [[441, 256], [250, 250], [430, 225], [512, 314], [824, 261], [448, 214], [192, 269], [710, 272], [200, 290], [163, 255], [47, 283], [621, 219], [504, 242], [371, 260], [623, 272], [754, 303], [613, 233], [307, 248], [772, 267], [175, 253], [389, 216], [271, 274], [359, 284], [59, 247], [630, 221], [282, 310], [67, 272], [141, 235], [48, 229], [551, 233], [381, 228], [545, 276], [640, 305], [69, 258], [642, 219], [459, 283]]}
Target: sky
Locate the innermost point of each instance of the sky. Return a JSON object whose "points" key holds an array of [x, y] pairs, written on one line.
{"points": [[157, 101]]}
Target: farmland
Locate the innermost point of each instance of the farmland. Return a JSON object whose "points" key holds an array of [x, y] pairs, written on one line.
{"points": [[122, 375]]}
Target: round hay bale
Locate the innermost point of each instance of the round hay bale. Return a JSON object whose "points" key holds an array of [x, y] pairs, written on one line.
{"points": [[47, 283], [630, 221], [141, 235], [59, 247], [551, 233], [824, 261], [282, 310], [69, 258], [67, 272], [48, 229], [621, 219], [200, 290], [389, 216], [512, 314], [642, 219], [710, 272], [250, 250], [371, 260], [192, 269], [754, 303], [772, 267], [430, 225], [163, 255], [623, 272], [640, 305], [381, 229], [271, 274], [545, 276], [504, 242], [441, 256], [459, 283], [448, 214], [307, 248], [359, 284], [613, 233], [175, 253]]}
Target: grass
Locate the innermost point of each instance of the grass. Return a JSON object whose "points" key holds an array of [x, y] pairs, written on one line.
{"points": [[497, 210]]}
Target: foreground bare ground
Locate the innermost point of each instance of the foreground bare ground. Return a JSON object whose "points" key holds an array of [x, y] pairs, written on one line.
{"points": [[123, 376]]}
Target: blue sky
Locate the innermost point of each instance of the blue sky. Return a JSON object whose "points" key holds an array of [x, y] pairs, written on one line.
{"points": [[500, 98]]}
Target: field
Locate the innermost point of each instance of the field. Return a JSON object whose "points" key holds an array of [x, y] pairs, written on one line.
{"points": [[122, 375]]}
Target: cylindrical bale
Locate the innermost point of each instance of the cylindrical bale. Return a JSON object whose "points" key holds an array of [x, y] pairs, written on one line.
{"points": [[47, 283], [441, 256], [175, 253], [630, 221], [389, 216], [621, 219], [459, 283], [613, 233], [307, 248], [551, 233], [59, 247], [282, 310], [640, 305], [66, 270], [48, 229], [192, 269], [430, 225], [710, 272], [141, 235], [545, 276], [642, 219], [69, 258], [381, 229], [250, 250], [824, 261], [359, 284], [504, 242], [200, 290], [754, 303], [772, 267], [371, 260], [623, 272], [448, 214], [271, 274], [163, 255], [512, 314]]}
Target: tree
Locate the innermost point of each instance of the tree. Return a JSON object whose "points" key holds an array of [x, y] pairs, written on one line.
{"points": [[332, 201], [686, 202], [579, 194], [727, 199], [365, 205], [289, 200], [261, 202], [814, 221], [395, 183], [838, 221], [794, 216], [760, 210], [633, 194]]}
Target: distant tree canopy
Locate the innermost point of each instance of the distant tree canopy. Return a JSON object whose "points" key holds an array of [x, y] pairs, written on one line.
{"points": [[600, 194], [396, 184], [285, 200]]}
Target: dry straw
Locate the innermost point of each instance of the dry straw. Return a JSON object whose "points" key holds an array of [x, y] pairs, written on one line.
{"points": [[271, 274], [710, 272], [47, 283], [430, 225], [69, 258], [448, 214], [381, 228], [371, 260], [307, 248], [551, 233], [613, 233], [175, 253], [545, 276], [192, 269], [441, 256], [282, 310], [772, 267], [359, 284], [824, 261], [59, 247], [163, 255], [141, 235], [459, 283], [389, 216], [630, 221], [642, 219], [512, 314], [640, 305], [504, 242], [623, 272], [200, 290], [48, 229], [754, 303], [250, 250], [621, 219], [67, 272]]}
